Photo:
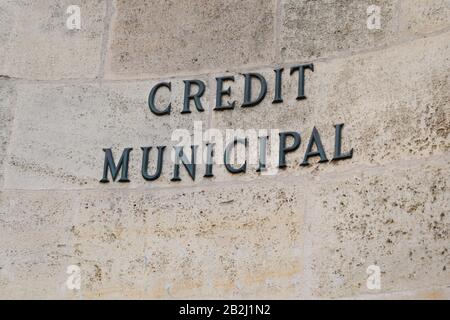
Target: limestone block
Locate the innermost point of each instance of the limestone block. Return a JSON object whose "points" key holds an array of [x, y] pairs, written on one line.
{"points": [[213, 243], [36, 244], [422, 17], [394, 104], [6, 27], [396, 218], [171, 243], [61, 130], [7, 103], [320, 29], [151, 38], [38, 45], [440, 293]]}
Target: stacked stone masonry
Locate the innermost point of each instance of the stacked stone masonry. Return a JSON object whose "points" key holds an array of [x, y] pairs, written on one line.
{"points": [[305, 232]]}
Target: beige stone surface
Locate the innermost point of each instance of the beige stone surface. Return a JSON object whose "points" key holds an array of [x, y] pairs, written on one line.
{"points": [[304, 232], [36, 244], [317, 29], [393, 102], [395, 217], [181, 243], [6, 25], [150, 38], [86, 118], [7, 102], [405, 84], [38, 45], [424, 16], [442, 293]]}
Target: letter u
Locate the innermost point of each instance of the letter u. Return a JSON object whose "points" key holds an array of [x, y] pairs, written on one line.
{"points": [[145, 153]]}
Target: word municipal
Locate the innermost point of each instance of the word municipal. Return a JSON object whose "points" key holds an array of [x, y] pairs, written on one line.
{"points": [[314, 149]]}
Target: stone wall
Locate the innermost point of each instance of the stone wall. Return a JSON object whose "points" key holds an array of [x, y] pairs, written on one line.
{"points": [[306, 232]]}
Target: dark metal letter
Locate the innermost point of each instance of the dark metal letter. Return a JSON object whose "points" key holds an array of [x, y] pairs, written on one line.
{"points": [[196, 97], [145, 152], [151, 99], [301, 78], [337, 145], [262, 153], [190, 167], [314, 140], [220, 92], [209, 160], [248, 89], [284, 149], [278, 98], [110, 164], [226, 157]]}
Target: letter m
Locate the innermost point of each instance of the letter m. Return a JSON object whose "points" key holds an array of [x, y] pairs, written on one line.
{"points": [[111, 165]]}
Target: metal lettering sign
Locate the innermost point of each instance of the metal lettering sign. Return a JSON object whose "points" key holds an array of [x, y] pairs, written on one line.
{"points": [[188, 157]]}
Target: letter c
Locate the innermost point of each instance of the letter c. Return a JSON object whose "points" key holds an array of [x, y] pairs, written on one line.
{"points": [[151, 99]]}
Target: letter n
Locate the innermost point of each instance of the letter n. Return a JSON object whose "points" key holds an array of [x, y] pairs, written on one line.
{"points": [[111, 165]]}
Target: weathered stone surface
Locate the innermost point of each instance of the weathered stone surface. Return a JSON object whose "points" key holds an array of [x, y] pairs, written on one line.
{"points": [[424, 294], [372, 94], [150, 37], [396, 218], [36, 245], [183, 243], [316, 29], [424, 16], [7, 103], [305, 232], [61, 130], [38, 44], [6, 25], [394, 104]]}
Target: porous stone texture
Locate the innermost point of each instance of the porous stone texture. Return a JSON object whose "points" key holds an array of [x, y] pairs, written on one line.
{"points": [[36, 239], [7, 102], [87, 118], [442, 293], [315, 29], [396, 218], [36, 44], [6, 25], [167, 244], [296, 233], [424, 16], [369, 94], [166, 37]]}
